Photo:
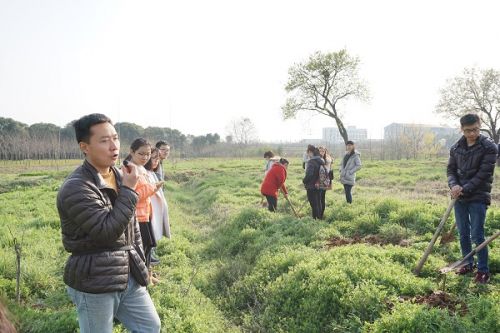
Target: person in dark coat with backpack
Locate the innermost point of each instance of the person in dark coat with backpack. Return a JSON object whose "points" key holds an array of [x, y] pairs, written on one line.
{"points": [[273, 182], [349, 165], [311, 181]]}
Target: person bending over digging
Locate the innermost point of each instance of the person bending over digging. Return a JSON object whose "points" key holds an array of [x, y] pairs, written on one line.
{"points": [[273, 182], [470, 177]]}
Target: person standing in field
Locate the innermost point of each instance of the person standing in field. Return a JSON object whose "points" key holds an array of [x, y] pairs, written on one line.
{"points": [[323, 153], [164, 152], [349, 165], [273, 182], [159, 218], [311, 181], [106, 275], [470, 178], [140, 154]]}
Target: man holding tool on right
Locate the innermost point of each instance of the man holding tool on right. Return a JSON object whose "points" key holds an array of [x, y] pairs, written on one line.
{"points": [[470, 177]]}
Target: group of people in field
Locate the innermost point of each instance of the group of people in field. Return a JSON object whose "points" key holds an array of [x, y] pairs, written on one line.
{"points": [[470, 177], [318, 177], [111, 219]]}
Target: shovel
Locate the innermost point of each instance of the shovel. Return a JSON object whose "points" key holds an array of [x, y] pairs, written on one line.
{"points": [[464, 261], [434, 238]]}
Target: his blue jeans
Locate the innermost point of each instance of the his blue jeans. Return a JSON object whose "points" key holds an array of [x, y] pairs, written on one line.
{"points": [[133, 307], [470, 218]]}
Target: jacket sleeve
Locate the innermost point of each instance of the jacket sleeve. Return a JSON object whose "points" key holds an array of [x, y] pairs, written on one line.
{"points": [[145, 189], [281, 180], [451, 170], [137, 235], [89, 213], [309, 173], [486, 169], [357, 164]]}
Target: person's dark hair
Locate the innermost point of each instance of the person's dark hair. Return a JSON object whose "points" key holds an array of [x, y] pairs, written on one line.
{"points": [[283, 161], [349, 143], [310, 148], [136, 144], [161, 143], [149, 165], [469, 119], [82, 126], [268, 154], [316, 152]]}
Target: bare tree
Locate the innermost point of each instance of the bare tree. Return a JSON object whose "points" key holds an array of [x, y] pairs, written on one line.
{"points": [[243, 131], [476, 91], [320, 83]]}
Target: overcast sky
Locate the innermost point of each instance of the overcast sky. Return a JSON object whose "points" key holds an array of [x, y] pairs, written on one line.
{"points": [[197, 65]]}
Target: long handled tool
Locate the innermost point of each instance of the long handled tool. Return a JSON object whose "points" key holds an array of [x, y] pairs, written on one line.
{"points": [[464, 261], [434, 238], [293, 208]]}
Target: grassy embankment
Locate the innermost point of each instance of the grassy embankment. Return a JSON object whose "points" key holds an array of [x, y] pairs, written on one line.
{"points": [[232, 266]]}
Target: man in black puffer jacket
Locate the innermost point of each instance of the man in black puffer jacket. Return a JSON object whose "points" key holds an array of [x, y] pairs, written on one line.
{"points": [[105, 274], [470, 177]]}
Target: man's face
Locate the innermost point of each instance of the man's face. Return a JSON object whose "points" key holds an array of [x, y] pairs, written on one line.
{"points": [[471, 132], [103, 147], [349, 147], [164, 151]]}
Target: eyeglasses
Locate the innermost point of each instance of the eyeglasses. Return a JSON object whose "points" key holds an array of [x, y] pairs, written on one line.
{"points": [[144, 154], [471, 130]]}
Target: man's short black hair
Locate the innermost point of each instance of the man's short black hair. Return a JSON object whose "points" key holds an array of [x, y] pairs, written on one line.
{"points": [[283, 161], [82, 126], [349, 143], [161, 143], [469, 119]]}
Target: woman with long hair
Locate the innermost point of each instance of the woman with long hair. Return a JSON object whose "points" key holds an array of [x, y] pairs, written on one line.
{"points": [[140, 153], [159, 218]]}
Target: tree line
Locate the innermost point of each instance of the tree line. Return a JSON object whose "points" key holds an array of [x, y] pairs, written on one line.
{"points": [[19, 141]]}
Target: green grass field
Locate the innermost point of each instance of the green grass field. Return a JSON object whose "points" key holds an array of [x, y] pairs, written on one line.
{"points": [[231, 266]]}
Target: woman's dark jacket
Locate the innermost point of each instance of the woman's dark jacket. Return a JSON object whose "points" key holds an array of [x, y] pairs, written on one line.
{"points": [[472, 168], [100, 231], [312, 172]]}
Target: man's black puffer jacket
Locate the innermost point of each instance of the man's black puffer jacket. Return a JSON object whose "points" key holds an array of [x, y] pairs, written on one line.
{"points": [[472, 168], [101, 232]]}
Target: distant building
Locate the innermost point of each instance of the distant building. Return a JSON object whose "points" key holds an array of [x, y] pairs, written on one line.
{"points": [[396, 131], [332, 134]]}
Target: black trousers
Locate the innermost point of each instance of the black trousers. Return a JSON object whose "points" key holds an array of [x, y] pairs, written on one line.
{"points": [[272, 203], [322, 197], [348, 195], [314, 198]]}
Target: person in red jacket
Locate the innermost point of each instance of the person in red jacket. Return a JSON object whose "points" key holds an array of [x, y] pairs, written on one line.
{"points": [[273, 182]]}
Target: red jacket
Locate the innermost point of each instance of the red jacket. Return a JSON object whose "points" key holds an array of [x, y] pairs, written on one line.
{"points": [[274, 180]]}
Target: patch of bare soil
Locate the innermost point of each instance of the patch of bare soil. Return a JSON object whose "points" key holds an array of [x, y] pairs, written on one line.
{"points": [[438, 299], [370, 239]]}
